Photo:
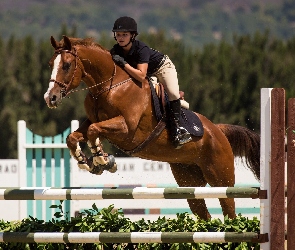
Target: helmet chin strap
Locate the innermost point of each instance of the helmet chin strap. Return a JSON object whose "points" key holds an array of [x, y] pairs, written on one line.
{"points": [[127, 44], [130, 41]]}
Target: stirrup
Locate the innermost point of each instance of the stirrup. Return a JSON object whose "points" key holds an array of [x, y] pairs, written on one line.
{"points": [[182, 136]]}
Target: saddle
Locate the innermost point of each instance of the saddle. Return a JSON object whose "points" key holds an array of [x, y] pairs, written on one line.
{"points": [[188, 119]]}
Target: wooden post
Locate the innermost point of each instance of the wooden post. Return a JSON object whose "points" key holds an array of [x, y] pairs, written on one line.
{"points": [[277, 228], [291, 175]]}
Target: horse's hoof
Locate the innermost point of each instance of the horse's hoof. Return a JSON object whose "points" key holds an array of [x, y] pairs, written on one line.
{"points": [[98, 170], [111, 166], [113, 169]]}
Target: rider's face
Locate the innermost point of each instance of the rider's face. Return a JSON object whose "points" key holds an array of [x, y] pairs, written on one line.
{"points": [[123, 38]]}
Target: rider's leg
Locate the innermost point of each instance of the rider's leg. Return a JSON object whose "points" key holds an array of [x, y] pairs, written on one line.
{"points": [[168, 76], [180, 134]]}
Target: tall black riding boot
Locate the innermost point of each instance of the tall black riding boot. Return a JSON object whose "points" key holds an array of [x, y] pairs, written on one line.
{"points": [[180, 134]]}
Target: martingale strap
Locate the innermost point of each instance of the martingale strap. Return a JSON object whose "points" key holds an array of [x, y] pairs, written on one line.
{"points": [[155, 133], [159, 107]]}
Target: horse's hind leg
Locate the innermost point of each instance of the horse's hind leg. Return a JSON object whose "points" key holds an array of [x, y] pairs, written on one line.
{"points": [[192, 176], [220, 173]]}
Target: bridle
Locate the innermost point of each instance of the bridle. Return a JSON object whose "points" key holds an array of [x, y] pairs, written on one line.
{"points": [[64, 86]]}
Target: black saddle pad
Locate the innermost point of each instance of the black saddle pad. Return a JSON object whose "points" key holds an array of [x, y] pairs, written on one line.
{"points": [[188, 118], [191, 122]]}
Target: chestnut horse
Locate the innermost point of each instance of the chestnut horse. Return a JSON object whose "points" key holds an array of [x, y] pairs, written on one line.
{"points": [[120, 110]]}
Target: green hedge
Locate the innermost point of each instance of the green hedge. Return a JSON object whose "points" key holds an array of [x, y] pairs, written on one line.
{"points": [[110, 220]]}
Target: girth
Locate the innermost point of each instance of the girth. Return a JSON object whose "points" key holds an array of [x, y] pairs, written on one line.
{"points": [[159, 105]]}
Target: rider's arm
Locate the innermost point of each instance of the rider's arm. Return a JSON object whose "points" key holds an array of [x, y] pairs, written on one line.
{"points": [[139, 73]]}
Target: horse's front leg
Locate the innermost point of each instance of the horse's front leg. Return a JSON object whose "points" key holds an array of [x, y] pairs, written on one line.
{"points": [[73, 140], [112, 128]]}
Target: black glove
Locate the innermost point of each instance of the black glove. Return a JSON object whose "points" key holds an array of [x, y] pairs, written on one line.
{"points": [[119, 60]]}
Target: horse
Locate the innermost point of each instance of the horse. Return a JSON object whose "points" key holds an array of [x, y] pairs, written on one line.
{"points": [[120, 109]]}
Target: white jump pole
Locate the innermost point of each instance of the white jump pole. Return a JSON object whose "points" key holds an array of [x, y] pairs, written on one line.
{"points": [[265, 157]]}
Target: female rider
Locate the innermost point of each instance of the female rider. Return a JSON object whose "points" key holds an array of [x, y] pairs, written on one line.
{"points": [[140, 61]]}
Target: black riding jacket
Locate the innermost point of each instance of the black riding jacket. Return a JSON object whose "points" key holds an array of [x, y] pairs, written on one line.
{"points": [[140, 53]]}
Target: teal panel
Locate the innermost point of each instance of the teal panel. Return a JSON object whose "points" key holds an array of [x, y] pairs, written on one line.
{"points": [[175, 210], [52, 179], [65, 134], [57, 159], [248, 210], [48, 162], [57, 165], [67, 173], [48, 171], [29, 156], [39, 174]]}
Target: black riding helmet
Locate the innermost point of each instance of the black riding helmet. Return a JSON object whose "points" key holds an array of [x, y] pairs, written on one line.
{"points": [[125, 23]]}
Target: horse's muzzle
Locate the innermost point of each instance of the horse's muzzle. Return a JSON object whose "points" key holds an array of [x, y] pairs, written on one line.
{"points": [[52, 100]]}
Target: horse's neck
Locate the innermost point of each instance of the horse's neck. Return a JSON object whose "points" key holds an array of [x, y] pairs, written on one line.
{"points": [[98, 64], [126, 94]]}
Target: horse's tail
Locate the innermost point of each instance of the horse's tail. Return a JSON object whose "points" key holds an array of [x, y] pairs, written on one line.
{"points": [[244, 143]]}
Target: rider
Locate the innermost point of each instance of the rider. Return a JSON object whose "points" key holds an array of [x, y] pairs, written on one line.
{"points": [[140, 61]]}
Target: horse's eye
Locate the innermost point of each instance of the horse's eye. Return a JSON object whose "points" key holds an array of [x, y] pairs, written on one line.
{"points": [[66, 66]]}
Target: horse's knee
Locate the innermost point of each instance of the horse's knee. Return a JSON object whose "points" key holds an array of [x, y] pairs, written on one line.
{"points": [[93, 132], [71, 141]]}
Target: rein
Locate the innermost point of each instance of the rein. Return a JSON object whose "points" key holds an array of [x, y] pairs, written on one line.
{"points": [[64, 86], [106, 89]]}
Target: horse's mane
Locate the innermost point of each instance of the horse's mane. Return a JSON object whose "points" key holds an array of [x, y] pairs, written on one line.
{"points": [[88, 42]]}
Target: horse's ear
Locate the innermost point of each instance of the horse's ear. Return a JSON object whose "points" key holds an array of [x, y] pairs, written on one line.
{"points": [[67, 43], [54, 43]]}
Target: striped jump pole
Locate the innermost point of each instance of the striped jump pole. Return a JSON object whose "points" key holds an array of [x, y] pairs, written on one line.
{"points": [[134, 237], [48, 193]]}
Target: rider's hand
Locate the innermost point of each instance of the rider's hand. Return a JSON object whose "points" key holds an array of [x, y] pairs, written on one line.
{"points": [[119, 60]]}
